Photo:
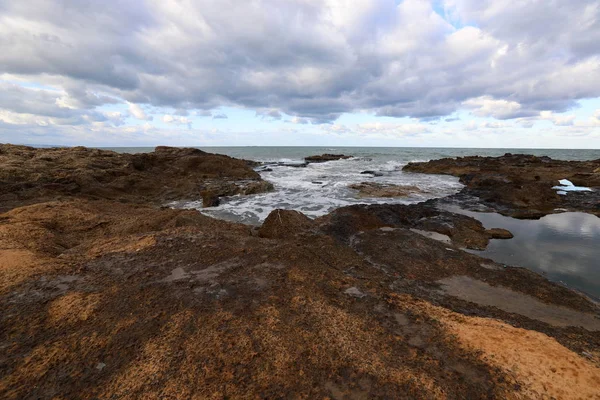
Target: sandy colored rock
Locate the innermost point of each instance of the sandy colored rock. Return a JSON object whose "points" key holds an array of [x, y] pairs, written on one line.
{"points": [[373, 189]]}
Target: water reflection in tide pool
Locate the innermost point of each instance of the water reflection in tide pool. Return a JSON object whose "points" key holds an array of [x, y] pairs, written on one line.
{"points": [[564, 247]]}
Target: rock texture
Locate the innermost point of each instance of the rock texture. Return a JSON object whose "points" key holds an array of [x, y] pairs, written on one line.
{"points": [[325, 158], [282, 224], [521, 185], [101, 298], [30, 175], [373, 189]]}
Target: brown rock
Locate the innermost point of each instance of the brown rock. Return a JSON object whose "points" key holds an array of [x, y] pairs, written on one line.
{"points": [[210, 199], [499, 233], [520, 185], [326, 157], [285, 224], [372, 189], [213, 311], [29, 175]]}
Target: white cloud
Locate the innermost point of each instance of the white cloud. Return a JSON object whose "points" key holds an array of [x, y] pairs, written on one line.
{"points": [[314, 60], [177, 120], [558, 120], [138, 112], [486, 106]]}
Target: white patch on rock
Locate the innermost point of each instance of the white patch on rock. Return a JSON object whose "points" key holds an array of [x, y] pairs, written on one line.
{"points": [[567, 186], [434, 235], [354, 292]]}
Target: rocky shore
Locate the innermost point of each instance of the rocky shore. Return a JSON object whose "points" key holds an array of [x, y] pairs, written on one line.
{"points": [[106, 293], [520, 186]]}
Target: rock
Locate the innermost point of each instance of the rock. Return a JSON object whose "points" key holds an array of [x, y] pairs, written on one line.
{"points": [[345, 222], [34, 175], [212, 302], [499, 233], [255, 187], [285, 224], [517, 185], [372, 189], [210, 199], [325, 158], [355, 292], [374, 173]]}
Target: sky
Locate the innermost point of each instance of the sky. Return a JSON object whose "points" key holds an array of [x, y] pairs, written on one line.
{"points": [[442, 73]]}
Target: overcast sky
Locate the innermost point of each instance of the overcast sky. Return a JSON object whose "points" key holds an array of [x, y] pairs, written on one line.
{"points": [[459, 73]]}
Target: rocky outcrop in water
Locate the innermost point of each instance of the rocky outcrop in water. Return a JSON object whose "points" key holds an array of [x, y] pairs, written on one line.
{"points": [[326, 157], [521, 185], [101, 298], [373, 189]]}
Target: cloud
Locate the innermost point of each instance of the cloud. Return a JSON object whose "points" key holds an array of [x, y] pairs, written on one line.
{"points": [[299, 121], [311, 59], [558, 120], [203, 113], [138, 112], [177, 120], [486, 106], [273, 115], [220, 116]]}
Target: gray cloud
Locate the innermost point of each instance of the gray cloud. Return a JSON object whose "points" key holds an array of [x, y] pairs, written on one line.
{"points": [[313, 60]]}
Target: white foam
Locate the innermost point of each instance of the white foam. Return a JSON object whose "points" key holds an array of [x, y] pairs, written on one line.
{"points": [[319, 188]]}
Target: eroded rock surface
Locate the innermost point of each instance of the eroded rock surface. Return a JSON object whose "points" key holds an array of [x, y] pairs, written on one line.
{"points": [[29, 175], [108, 299], [521, 185]]}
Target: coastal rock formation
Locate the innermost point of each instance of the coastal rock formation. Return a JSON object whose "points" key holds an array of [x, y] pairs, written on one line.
{"points": [[373, 189], [464, 231], [326, 157], [499, 233], [32, 175], [285, 224], [521, 185], [101, 298]]}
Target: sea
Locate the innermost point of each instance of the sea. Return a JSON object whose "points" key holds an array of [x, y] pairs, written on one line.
{"points": [[563, 247]]}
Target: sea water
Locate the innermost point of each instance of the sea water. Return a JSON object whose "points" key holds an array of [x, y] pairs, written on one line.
{"points": [[563, 247]]}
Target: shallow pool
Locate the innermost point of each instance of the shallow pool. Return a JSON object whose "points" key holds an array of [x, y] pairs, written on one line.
{"points": [[563, 247]]}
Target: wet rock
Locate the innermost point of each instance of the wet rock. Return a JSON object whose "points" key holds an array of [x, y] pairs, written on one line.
{"points": [[210, 199], [374, 173], [326, 157], [464, 231], [372, 189], [285, 224], [520, 185], [499, 233]]}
